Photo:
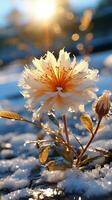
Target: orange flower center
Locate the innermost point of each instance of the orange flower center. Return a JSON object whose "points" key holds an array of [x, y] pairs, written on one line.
{"points": [[60, 80]]}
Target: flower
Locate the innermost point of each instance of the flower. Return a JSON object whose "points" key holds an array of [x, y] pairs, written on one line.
{"points": [[60, 84], [102, 106]]}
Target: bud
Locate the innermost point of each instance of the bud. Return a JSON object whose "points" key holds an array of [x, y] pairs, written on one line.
{"points": [[103, 104]]}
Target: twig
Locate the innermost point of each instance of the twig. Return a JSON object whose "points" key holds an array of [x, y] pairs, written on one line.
{"points": [[89, 142], [30, 122], [65, 129], [79, 142]]}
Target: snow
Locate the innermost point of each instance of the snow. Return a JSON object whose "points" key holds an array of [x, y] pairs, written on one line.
{"points": [[16, 195], [15, 172], [90, 183], [52, 177], [48, 192], [6, 154], [19, 172], [14, 164]]}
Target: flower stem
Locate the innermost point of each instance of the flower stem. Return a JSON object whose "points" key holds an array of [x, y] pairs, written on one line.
{"points": [[69, 147], [89, 142], [65, 129]]}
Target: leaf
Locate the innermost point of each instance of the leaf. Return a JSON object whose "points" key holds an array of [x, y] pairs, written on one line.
{"points": [[52, 117], [87, 122], [16, 116], [54, 165], [57, 138], [11, 115], [104, 151], [43, 155], [88, 160], [66, 153]]}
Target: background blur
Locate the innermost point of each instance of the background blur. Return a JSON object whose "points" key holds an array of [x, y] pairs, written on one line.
{"points": [[29, 28]]}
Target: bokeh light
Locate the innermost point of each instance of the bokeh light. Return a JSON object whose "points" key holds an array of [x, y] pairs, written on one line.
{"points": [[86, 19], [75, 37], [89, 36]]}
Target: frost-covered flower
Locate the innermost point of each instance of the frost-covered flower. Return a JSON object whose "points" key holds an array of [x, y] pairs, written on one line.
{"points": [[103, 104], [59, 84]]}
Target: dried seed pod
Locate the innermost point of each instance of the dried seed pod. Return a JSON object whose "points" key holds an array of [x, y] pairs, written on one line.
{"points": [[103, 104]]}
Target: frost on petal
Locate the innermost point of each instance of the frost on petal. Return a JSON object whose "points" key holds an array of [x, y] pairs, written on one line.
{"points": [[44, 107], [36, 62], [73, 63], [81, 67], [64, 59], [50, 58]]}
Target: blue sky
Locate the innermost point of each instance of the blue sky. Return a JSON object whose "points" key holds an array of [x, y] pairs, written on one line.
{"points": [[82, 4]]}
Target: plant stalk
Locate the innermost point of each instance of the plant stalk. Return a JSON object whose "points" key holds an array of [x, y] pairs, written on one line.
{"points": [[89, 142], [65, 129]]}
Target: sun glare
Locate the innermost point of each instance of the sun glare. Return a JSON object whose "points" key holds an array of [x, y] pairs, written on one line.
{"points": [[44, 9]]}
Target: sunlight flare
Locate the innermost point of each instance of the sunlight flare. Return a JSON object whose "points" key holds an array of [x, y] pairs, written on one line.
{"points": [[44, 10]]}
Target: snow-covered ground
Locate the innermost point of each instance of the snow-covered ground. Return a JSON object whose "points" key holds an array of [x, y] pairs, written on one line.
{"points": [[20, 171], [22, 177]]}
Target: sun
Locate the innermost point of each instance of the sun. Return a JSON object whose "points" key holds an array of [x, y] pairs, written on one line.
{"points": [[44, 10]]}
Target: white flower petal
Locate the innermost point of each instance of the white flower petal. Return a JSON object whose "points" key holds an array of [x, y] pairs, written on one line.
{"points": [[81, 67], [64, 59]]}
